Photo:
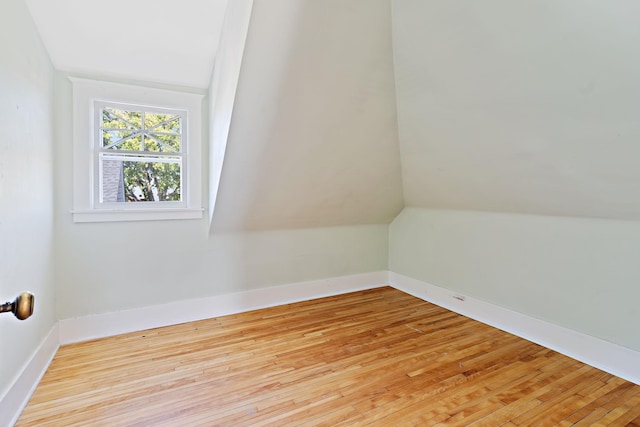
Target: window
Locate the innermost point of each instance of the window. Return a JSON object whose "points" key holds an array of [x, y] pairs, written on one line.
{"points": [[140, 157], [136, 153]]}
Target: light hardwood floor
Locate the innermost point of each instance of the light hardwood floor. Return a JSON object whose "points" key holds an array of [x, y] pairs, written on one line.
{"points": [[377, 357]]}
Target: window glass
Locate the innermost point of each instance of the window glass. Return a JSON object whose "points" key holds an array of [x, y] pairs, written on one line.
{"points": [[140, 154]]}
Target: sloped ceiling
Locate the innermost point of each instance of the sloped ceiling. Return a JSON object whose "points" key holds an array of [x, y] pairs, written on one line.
{"points": [[313, 139], [160, 41], [529, 106]]}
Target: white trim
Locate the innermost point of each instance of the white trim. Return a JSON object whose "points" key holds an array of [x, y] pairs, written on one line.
{"points": [[114, 323], [613, 358], [106, 215], [14, 401], [617, 360], [86, 93]]}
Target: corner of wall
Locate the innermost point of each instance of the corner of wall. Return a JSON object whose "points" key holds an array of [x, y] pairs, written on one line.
{"points": [[222, 90], [609, 357]]}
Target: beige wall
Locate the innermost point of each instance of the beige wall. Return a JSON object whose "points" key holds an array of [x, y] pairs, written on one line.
{"points": [[26, 187], [309, 183], [528, 106], [106, 267], [579, 273], [313, 140]]}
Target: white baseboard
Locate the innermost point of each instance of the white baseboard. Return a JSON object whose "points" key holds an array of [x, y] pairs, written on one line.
{"points": [[612, 358], [609, 357], [14, 401], [114, 323]]}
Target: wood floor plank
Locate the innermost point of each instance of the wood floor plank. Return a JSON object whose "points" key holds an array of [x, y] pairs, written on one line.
{"points": [[376, 357]]}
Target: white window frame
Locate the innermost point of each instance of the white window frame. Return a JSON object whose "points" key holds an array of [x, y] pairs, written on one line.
{"points": [[88, 97], [149, 156]]}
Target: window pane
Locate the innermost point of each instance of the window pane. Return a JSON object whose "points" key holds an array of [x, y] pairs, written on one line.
{"points": [[164, 143], [124, 129], [128, 142], [121, 129], [165, 132], [113, 118], [140, 181], [113, 139], [165, 123], [150, 144]]}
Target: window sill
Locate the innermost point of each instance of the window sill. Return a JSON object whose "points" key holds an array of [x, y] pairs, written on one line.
{"points": [[112, 215]]}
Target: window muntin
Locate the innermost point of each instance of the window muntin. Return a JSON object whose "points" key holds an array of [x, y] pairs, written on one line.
{"points": [[141, 156]]}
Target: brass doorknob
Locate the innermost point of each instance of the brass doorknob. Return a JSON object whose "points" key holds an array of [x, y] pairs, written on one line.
{"points": [[22, 307]]}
